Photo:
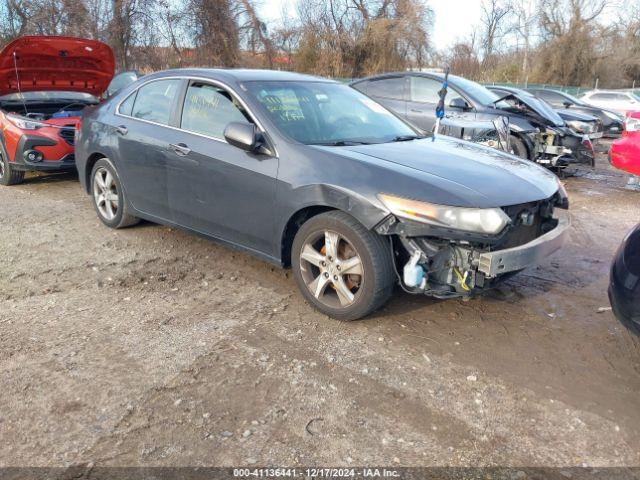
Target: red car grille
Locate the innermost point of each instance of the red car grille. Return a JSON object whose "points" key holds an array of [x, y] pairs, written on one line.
{"points": [[68, 134]]}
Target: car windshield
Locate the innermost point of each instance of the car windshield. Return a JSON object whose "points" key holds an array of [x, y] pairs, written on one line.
{"points": [[49, 96], [327, 113], [481, 94]]}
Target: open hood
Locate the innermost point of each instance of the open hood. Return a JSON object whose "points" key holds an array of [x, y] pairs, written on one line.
{"points": [[528, 101], [44, 63]]}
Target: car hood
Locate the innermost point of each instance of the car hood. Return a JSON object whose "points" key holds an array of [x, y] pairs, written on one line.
{"points": [[539, 107], [569, 115], [459, 173], [46, 63]]}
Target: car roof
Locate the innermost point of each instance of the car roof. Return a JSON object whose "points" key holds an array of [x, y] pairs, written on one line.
{"points": [[506, 89], [240, 74], [590, 92]]}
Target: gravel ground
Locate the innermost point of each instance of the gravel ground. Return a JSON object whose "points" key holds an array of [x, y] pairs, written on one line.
{"points": [[152, 347]]}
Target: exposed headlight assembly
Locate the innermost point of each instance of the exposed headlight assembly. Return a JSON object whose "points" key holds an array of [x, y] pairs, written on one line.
{"points": [[581, 127], [479, 220], [632, 124], [25, 123]]}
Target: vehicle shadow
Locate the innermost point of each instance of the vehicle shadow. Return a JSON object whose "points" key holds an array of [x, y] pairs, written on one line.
{"points": [[54, 177]]}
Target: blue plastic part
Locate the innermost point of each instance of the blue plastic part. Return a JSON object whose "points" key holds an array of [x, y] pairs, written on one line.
{"points": [[67, 114]]}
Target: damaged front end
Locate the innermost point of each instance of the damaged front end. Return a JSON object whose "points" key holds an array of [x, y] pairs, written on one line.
{"points": [[551, 143], [443, 262]]}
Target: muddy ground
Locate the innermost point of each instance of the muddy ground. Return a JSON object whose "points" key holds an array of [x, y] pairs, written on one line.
{"points": [[150, 346]]}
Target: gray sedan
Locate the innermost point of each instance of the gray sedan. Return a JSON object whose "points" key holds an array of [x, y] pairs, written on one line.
{"points": [[308, 173]]}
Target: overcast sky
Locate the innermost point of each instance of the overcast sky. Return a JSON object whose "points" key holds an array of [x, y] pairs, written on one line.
{"points": [[453, 18]]}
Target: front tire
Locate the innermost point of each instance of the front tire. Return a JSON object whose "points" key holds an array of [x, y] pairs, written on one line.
{"points": [[341, 268], [8, 175], [108, 196], [518, 147]]}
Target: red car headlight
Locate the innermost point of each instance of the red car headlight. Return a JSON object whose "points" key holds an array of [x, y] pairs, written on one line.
{"points": [[632, 124], [25, 123]]}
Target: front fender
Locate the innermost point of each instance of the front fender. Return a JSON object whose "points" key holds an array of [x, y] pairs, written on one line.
{"points": [[367, 212]]}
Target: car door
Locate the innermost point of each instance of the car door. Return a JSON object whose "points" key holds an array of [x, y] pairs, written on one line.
{"points": [[214, 187], [388, 91], [143, 122]]}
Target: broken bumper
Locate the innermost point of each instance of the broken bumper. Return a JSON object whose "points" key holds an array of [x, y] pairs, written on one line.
{"points": [[513, 259]]}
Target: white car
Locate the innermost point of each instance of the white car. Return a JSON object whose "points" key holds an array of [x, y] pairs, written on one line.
{"points": [[619, 101]]}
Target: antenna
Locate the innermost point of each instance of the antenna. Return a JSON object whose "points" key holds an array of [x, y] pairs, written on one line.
{"points": [[440, 107], [15, 66]]}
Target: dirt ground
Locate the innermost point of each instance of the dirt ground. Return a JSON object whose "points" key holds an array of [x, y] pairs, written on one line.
{"points": [[150, 346]]}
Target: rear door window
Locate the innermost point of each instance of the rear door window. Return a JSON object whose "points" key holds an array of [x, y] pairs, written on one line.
{"points": [[208, 109], [386, 88], [155, 101], [126, 107]]}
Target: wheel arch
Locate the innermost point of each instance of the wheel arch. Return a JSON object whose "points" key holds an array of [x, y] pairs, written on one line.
{"points": [[293, 225], [526, 140], [310, 200], [91, 161]]}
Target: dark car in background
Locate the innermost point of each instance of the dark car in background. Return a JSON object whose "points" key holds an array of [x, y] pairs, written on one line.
{"points": [[586, 128], [537, 132], [611, 121], [580, 123], [309, 173], [624, 287]]}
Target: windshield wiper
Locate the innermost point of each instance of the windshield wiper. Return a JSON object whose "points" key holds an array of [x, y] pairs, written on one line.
{"points": [[407, 138], [340, 143]]}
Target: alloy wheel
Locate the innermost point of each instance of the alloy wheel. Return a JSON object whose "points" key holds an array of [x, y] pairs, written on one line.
{"points": [[2, 167], [105, 193], [332, 269]]}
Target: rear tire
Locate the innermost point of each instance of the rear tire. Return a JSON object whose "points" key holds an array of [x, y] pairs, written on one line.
{"points": [[108, 196], [518, 147], [340, 267], [8, 175]]}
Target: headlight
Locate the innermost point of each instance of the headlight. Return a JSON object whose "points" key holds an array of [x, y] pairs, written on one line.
{"points": [[581, 127], [632, 124], [481, 220], [24, 123]]}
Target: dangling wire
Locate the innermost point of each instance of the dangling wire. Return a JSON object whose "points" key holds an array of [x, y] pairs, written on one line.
{"points": [[440, 107]]}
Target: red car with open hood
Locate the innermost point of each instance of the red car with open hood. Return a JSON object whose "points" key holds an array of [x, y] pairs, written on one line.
{"points": [[45, 83], [625, 151]]}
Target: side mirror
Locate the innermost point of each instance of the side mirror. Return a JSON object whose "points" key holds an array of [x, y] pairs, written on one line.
{"points": [[242, 135], [460, 103], [567, 104]]}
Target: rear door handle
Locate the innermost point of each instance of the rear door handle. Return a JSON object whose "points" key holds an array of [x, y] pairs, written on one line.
{"points": [[180, 149], [415, 110], [122, 130]]}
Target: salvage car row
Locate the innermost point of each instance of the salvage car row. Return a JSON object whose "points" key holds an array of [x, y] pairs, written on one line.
{"points": [[301, 171]]}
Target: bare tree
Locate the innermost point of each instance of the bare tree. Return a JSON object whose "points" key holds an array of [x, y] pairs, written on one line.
{"points": [[495, 14], [525, 18]]}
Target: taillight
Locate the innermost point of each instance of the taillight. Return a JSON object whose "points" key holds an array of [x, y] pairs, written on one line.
{"points": [[632, 124]]}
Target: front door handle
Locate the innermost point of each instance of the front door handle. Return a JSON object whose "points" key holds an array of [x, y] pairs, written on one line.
{"points": [[180, 149], [415, 110], [122, 130]]}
